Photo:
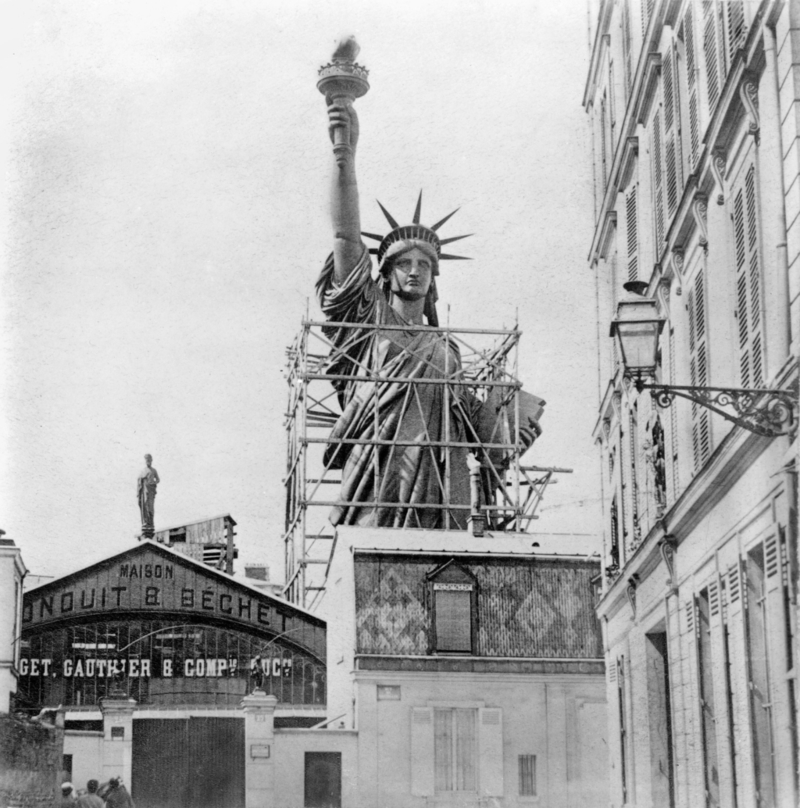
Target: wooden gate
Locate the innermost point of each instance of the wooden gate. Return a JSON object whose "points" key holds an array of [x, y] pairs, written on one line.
{"points": [[195, 762]]}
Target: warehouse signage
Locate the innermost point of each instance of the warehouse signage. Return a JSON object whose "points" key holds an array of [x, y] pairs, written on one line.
{"points": [[148, 582], [200, 668]]}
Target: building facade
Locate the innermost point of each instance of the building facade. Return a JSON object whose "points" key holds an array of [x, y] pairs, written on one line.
{"points": [[471, 670], [155, 659], [693, 105]]}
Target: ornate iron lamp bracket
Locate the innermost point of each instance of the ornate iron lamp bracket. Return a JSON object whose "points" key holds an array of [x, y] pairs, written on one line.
{"points": [[769, 413]]}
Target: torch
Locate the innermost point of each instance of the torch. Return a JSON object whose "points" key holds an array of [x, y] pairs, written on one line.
{"points": [[342, 78]]}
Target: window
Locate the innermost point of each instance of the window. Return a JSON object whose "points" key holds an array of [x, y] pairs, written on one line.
{"points": [[453, 596], [758, 670], [748, 282], [698, 370], [672, 125], [687, 36], [614, 549], [455, 749], [623, 728], [709, 598], [632, 234], [527, 775], [662, 766], [453, 618]]}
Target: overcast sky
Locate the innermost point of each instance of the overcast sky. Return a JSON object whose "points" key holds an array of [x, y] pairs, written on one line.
{"points": [[166, 188]]}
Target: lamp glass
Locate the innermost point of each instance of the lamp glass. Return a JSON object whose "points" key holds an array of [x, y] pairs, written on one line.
{"points": [[638, 344], [637, 328]]}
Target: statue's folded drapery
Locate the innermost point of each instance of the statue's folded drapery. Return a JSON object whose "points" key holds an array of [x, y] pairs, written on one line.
{"points": [[378, 407]]}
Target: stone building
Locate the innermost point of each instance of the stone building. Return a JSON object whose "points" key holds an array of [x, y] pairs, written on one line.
{"points": [[470, 670], [693, 106]]}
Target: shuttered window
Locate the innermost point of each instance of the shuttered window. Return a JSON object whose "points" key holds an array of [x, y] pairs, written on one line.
{"points": [[658, 185], [614, 529], [724, 33], [673, 419], [748, 282], [603, 146], [453, 618], [647, 12], [633, 448], [455, 749], [672, 145], [735, 30], [623, 727], [527, 775], [698, 369], [712, 54], [707, 707], [758, 673], [632, 229], [692, 101], [627, 47]]}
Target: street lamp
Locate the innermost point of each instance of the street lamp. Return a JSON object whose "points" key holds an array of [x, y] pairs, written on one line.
{"points": [[637, 327]]}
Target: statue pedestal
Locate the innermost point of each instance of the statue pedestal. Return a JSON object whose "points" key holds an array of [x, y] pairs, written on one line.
{"points": [[259, 743], [148, 532]]}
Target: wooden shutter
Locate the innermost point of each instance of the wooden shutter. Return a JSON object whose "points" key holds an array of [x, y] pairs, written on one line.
{"points": [[612, 107], [635, 465], [673, 418], [691, 85], [711, 51], [672, 150], [658, 184], [627, 46], [647, 12], [603, 144], [735, 29], [453, 620], [632, 230], [698, 369], [748, 282], [422, 758], [490, 782]]}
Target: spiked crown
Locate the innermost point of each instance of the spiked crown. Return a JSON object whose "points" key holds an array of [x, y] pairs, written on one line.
{"points": [[414, 232]]}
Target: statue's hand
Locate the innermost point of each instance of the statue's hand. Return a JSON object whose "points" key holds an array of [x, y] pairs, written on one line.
{"points": [[342, 115]]}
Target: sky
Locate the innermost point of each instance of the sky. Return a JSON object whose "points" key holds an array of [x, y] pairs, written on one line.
{"points": [[165, 216]]}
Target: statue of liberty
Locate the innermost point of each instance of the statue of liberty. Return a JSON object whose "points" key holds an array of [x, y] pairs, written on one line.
{"points": [[397, 407]]}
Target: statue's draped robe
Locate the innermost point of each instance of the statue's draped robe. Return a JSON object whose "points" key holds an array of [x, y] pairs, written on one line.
{"points": [[409, 473]]}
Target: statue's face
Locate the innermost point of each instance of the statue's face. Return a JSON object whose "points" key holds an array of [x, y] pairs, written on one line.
{"points": [[149, 460], [411, 274]]}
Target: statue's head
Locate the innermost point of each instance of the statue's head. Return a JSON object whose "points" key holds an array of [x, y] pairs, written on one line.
{"points": [[148, 459], [402, 240], [408, 271]]}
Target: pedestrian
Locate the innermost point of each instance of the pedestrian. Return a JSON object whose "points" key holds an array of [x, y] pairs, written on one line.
{"points": [[91, 798], [67, 797], [118, 796]]}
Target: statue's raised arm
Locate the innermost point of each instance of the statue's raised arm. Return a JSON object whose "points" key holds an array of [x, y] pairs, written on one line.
{"points": [[345, 215], [342, 81]]}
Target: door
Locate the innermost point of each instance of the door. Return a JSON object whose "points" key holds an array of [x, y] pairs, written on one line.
{"points": [[323, 780], [188, 763]]}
